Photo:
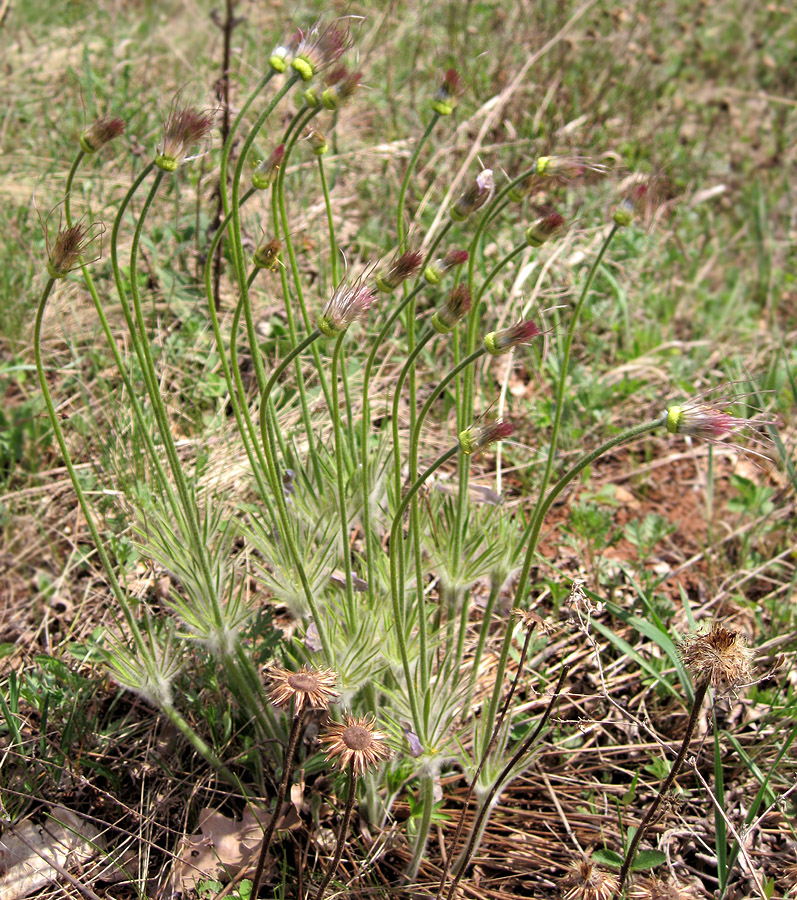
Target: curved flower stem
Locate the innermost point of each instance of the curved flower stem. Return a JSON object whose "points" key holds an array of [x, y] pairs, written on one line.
{"points": [[408, 174], [700, 694], [344, 826], [488, 750], [478, 826], [287, 771], [565, 364], [138, 639], [396, 599], [339, 470]]}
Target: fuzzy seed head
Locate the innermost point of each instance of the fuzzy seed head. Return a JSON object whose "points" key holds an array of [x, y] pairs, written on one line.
{"points": [[718, 656], [318, 49], [701, 421], [401, 267], [474, 197], [435, 271], [479, 437], [445, 99], [100, 132], [544, 229], [358, 741], [654, 888], [184, 128], [341, 89], [456, 307], [585, 881], [67, 250], [568, 168], [266, 170], [313, 688], [498, 342], [350, 301]]}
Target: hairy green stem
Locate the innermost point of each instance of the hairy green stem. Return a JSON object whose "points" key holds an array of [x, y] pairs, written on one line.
{"points": [[344, 827]]}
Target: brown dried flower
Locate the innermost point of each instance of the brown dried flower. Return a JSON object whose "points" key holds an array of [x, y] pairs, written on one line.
{"points": [[356, 741], [653, 888], [585, 881], [719, 657], [307, 687], [67, 250]]}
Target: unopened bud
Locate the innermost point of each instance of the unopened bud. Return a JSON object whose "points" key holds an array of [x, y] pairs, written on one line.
{"points": [[282, 57], [456, 306], [341, 90], [474, 197], [99, 133], [479, 437]]}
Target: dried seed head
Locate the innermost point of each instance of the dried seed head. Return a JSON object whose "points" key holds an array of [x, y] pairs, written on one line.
{"points": [[357, 741], [445, 99], [568, 168], [307, 687], [435, 271], [267, 255], [498, 342], [474, 197], [350, 301], [530, 619], [701, 421], [456, 306], [653, 888], [184, 128], [401, 267], [479, 437], [717, 656], [99, 133], [318, 49], [317, 140], [266, 170], [67, 250], [341, 89], [585, 881], [524, 188], [544, 228]]}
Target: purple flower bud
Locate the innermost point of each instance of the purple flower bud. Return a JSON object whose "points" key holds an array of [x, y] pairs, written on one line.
{"points": [[99, 133], [474, 197], [544, 229], [434, 272], [341, 89]]}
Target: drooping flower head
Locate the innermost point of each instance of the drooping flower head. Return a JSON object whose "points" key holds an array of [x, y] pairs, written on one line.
{"points": [[718, 656], [456, 307], [308, 687], [266, 170], [498, 342], [317, 141], [267, 254], [318, 49], [474, 197], [435, 271], [586, 881], [402, 266], [184, 128], [350, 301], [702, 421], [445, 98], [479, 437], [356, 741], [341, 89], [544, 228], [68, 248], [100, 132]]}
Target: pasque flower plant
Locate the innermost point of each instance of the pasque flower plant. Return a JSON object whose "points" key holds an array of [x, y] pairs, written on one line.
{"points": [[337, 507]]}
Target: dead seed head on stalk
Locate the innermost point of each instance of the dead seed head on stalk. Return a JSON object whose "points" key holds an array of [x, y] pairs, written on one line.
{"points": [[474, 197], [445, 99], [307, 687], [702, 421], [318, 49], [69, 246], [349, 301], [401, 267], [317, 141], [654, 888], [585, 881], [435, 271], [568, 168], [718, 656], [184, 128], [498, 342], [544, 228], [266, 170], [529, 619], [99, 133], [267, 255], [341, 89], [456, 306], [479, 437], [358, 741]]}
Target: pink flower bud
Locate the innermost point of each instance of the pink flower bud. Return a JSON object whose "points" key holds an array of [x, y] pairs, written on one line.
{"points": [[434, 272], [401, 267], [319, 49], [544, 229], [498, 342], [445, 99]]}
